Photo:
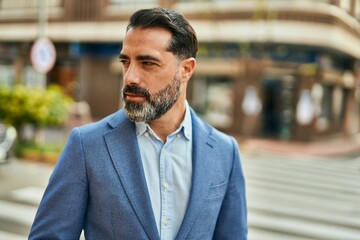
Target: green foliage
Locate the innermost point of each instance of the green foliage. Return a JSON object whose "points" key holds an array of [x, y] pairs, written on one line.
{"points": [[44, 152], [22, 147], [41, 107]]}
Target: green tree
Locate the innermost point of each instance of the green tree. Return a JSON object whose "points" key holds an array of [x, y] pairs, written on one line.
{"points": [[38, 107]]}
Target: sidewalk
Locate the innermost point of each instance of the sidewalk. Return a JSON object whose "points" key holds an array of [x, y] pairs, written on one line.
{"points": [[328, 147]]}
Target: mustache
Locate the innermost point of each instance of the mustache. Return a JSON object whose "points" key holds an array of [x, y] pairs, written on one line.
{"points": [[136, 90]]}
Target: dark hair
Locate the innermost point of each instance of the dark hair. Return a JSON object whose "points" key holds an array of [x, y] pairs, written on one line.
{"points": [[184, 41]]}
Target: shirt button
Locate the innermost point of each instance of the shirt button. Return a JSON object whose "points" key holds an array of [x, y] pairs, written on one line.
{"points": [[166, 221], [178, 135], [165, 185], [146, 134]]}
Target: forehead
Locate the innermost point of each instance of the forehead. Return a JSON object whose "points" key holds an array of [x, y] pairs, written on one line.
{"points": [[140, 40]]}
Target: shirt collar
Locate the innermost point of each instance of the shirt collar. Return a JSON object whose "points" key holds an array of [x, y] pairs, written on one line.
{"points": [[185, 126], [141, 128]]}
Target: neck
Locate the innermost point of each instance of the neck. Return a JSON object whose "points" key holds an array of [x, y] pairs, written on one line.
{"points": [[170, 121]]}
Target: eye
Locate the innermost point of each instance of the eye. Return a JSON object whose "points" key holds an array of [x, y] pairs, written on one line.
{"points": [[148, 63], [124, 61]]}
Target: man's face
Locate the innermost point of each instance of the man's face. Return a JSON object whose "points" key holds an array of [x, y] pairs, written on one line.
{"points": [[151, 81], [155, 105]]}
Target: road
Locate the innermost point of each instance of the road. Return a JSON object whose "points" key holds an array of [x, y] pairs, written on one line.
{"points": [[298, 197], [22, 184], [289, 197]]}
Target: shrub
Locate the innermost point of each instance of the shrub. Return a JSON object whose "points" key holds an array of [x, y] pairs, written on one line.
{"points": [[40, 107]]}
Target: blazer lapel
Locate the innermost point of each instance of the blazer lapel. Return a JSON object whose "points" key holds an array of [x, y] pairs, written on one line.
{"points": [[201, 177], [123, 147]]}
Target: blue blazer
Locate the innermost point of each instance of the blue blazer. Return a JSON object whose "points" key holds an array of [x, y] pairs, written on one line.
{"points": [[99, 185]]}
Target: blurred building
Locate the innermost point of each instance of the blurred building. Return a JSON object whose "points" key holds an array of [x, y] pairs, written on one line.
{"points": [[285, 69]]}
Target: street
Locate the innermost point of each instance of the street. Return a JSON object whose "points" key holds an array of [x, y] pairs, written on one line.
{"points": [[21, 187], [290, 197], [302, 197]]}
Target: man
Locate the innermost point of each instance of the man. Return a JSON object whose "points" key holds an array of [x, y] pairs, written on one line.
{"points": [[153, 170]]}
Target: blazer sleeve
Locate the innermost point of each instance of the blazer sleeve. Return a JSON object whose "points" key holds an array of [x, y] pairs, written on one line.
{"points": [[232, 219], [62, 209]]}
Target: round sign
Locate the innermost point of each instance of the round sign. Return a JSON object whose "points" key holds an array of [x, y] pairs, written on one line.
{"points": [[43, 55]]}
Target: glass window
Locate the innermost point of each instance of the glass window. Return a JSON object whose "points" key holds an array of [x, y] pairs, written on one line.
{"points": [[6, 75], [325, 111], [213, 98]]}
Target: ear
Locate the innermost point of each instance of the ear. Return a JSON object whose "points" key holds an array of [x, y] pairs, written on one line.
{"points": [[187, 68]]}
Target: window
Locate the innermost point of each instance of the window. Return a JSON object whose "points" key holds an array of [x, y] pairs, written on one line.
{"points": [[213, 98]]}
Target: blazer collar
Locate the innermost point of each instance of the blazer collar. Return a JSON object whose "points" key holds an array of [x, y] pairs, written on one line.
{"points": [[125, 155], [203, 144]]}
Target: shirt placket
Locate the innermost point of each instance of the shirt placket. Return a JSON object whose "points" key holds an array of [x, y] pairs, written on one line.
{"points": [[167, 203]]}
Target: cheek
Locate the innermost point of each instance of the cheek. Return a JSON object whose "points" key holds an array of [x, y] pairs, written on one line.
{"points": [[158, 83]]}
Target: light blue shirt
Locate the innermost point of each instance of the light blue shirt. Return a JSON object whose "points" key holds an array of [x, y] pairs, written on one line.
{"points": [[168, 172]]}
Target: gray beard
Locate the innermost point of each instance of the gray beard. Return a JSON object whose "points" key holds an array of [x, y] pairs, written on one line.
{"points": [[156, 105]]}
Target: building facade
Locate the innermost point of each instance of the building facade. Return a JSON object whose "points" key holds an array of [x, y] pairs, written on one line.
{"points": [[285, 69]]}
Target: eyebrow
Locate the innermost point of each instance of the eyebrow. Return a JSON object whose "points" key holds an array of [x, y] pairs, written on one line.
{"points": [[123, 56], [140, 57]]}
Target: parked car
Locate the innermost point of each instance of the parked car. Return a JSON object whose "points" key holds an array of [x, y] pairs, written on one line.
{"points": [[7, 139]]}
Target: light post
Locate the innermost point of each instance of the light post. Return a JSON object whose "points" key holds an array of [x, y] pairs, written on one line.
{"points": [[43, 53], [42, 18]]}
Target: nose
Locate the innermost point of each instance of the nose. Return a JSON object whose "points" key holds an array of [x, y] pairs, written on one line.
{"points": [[131, 75]]}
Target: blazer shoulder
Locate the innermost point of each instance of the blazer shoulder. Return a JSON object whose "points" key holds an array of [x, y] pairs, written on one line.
{"points": [[104, 125], [213, 133]]}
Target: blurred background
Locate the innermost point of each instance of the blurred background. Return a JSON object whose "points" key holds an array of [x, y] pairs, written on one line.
{"points": [[282, 76]]}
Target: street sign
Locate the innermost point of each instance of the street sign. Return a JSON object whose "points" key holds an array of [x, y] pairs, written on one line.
{"points": [[43, 55]]}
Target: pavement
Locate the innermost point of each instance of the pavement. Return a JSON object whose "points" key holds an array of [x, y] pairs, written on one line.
{"points": [[331, 146]]}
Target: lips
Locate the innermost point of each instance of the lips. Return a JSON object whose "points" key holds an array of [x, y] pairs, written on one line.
{"points": [[132, 96], [135, 93]]}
